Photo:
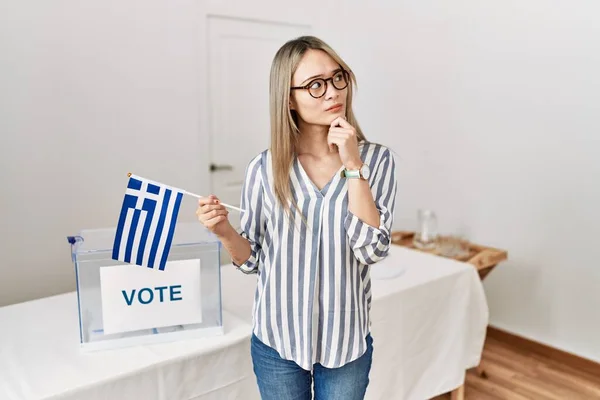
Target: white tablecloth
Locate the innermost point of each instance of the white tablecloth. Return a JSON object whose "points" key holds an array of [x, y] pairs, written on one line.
{"points": [[429, 318]]}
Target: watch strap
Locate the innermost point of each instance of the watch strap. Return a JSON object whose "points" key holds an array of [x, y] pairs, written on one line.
{"points": [[351, 173]]}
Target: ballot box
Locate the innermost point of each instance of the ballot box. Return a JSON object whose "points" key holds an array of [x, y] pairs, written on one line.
{"points": [[123, 304]]}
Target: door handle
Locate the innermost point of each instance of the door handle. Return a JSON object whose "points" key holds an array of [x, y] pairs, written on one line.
{"points": [[215, 167]]}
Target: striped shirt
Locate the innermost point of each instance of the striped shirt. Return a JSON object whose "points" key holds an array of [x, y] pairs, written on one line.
{"points": [[313, 296]]}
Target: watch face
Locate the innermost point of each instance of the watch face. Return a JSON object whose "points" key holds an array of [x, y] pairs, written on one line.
{"points": [[365, 171]]}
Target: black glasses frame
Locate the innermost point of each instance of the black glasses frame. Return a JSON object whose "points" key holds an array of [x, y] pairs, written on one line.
{"points": [[324, 80]]}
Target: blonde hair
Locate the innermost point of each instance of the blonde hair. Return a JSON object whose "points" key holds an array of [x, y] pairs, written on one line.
{"points": [[284, 121]]}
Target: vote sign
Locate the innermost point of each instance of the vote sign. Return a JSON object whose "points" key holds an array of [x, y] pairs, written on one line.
{"points": [[136, 297]]}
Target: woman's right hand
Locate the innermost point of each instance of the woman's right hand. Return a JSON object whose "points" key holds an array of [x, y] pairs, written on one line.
{"points": [[213, 215]]}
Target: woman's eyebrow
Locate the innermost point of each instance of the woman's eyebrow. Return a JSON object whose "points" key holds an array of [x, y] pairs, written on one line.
{"points": [[320, 75]]}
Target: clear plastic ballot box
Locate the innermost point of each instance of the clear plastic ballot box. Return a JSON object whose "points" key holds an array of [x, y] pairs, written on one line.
{"points": [[123, 304]]}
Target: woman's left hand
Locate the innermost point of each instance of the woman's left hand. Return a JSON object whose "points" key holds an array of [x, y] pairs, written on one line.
{"points": [[343, 135]]}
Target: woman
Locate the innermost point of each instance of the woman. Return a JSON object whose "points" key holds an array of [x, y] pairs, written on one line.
{"points": [[318, 212]]}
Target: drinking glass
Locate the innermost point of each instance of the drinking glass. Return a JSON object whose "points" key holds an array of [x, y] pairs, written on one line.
{"points": [[426, 235]]}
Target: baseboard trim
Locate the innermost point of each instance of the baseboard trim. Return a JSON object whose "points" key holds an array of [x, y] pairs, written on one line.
{"points": [[553, 353]]}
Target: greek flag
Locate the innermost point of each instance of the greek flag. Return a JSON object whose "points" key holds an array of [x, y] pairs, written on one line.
{"points": [[146, 223]]}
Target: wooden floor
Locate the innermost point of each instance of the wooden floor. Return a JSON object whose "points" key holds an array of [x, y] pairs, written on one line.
{"points": [[517, 373]]}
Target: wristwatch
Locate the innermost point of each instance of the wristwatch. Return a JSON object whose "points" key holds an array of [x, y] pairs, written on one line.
{"points": [[362, 173]]}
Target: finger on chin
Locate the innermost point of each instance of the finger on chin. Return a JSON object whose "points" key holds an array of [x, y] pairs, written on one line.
{"points": [[335, 122]]}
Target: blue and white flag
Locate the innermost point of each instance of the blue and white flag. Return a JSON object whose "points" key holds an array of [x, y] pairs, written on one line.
{"points": [[147, 222]]}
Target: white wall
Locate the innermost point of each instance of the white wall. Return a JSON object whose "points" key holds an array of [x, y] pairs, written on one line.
{"points": [[90, 91], [492, 110], [526, 107]]}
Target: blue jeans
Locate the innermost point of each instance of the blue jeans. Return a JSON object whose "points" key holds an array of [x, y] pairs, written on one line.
{"points": [[280, 379]]}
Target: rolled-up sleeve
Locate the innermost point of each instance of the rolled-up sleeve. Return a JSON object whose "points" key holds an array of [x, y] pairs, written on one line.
{"points": [[368, 243], [253, 218]]}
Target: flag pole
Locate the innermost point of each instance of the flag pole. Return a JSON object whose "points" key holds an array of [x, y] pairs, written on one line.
{"points": [[201, 197], [224, 204]]}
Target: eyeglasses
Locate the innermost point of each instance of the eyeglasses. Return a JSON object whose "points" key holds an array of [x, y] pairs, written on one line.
{"points": [[318, 87]]}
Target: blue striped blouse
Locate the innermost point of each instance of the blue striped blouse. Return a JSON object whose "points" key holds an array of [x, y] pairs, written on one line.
{"points": [[313, 295]]}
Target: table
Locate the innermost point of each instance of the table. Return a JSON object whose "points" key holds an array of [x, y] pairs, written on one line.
{"points": [[483, 258], [429, 319], [40, 359]]}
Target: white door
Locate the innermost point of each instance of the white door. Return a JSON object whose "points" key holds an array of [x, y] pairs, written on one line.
{"points": [[239, 63]]}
